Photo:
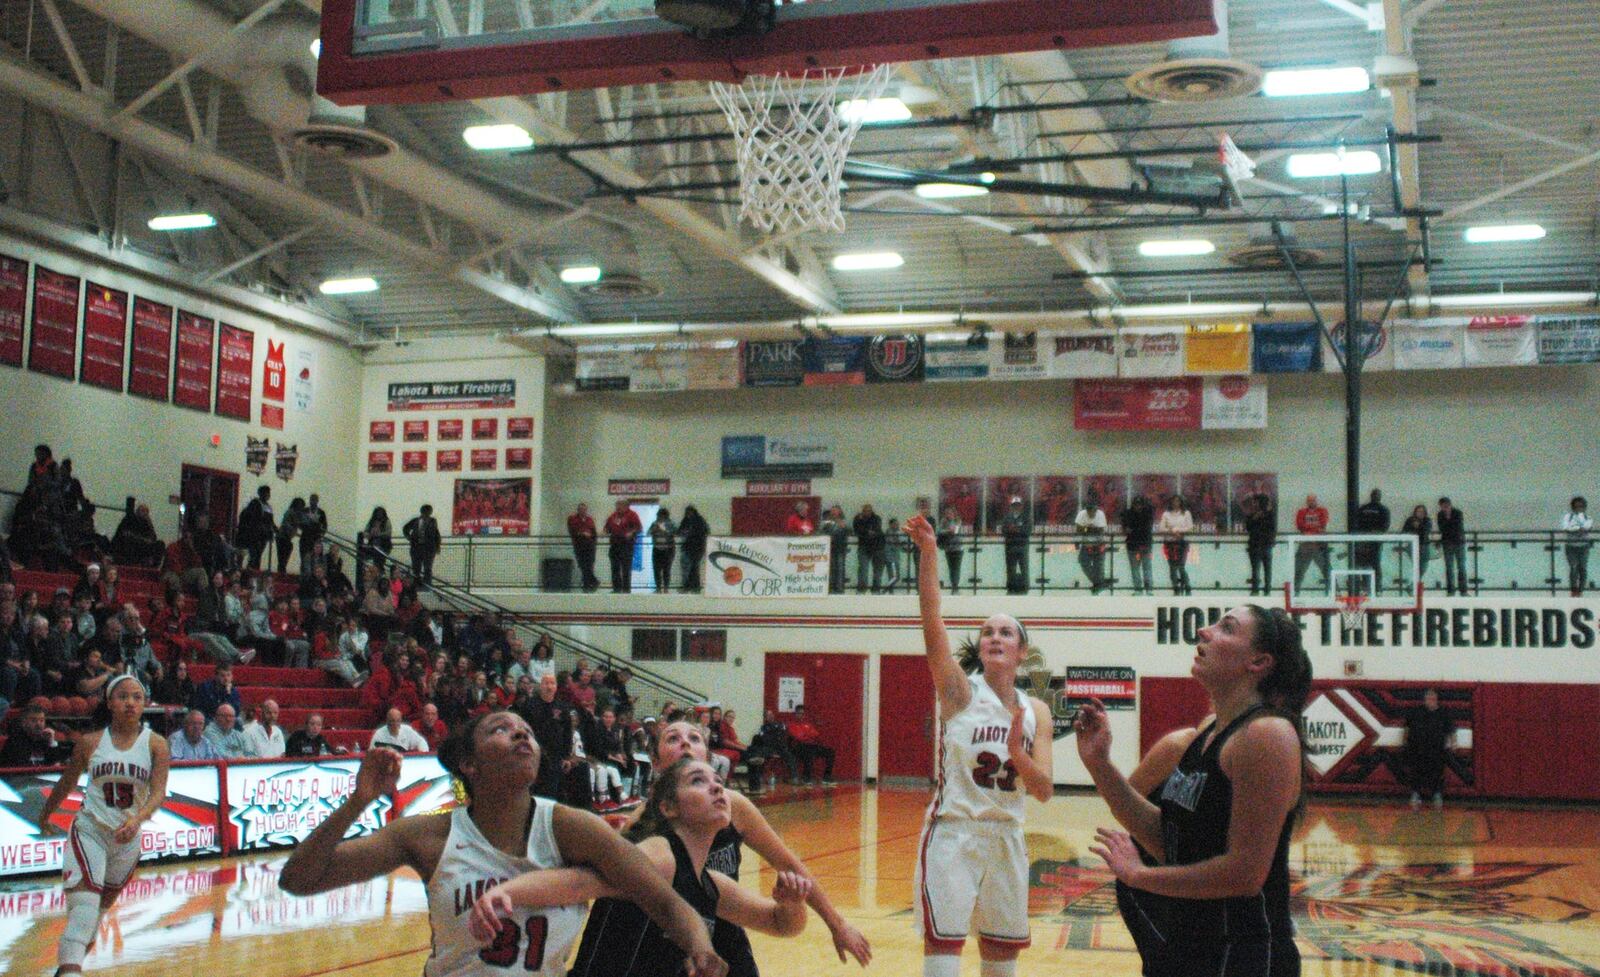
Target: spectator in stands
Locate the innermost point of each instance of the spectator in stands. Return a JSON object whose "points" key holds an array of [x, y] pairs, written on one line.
{"points": [[288, 529], [175, 688], [1015, 528], [1091, 526], [422, 533], [1175, 526], [264, 735], [870, 547], [1372, 517], [951, 541], [837, 528], [581, 530], [32, 742], [722, 738], [83, 622], [1138, 528], [542, 662], [190, 741], [211, 625], [1453, 542], [257, 527], [138, 654], [806, 741], [379, 537], [1576, 525], [1261, 535], [308, 741], [216, 691], [432, 728], [282, 625], [135, 542], [90, 675], [612, 754], [1311, 520], [663, 549], [429, 634], [1420, 526], [225, 736], [19, 682], [313, 585], [211, 547], [551, 729], [622, 528], [799, 522], [578, 690], [346, 655], [182, 561], [397, 734], [695, 531], [108, 641], [617, 681], [55, 649], [313, 526], [340, 589]]}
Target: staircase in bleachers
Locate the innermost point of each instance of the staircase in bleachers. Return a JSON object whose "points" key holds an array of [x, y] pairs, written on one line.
{"points": [[300, 692]]}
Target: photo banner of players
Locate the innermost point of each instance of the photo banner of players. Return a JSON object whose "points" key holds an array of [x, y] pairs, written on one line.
{"points": [[105, 337], [963, 495], [276, 804], [53, 344], [1156, 489], [1110, 493], [998, 493], [1249, 487], [767, 566], [236, 365], [453, 395], [1502, 340], [1569, 339], [491, 507], [13, 308], [192, 370], [1055, 503], [1286, 347], [150, 364], [1207, 495]]}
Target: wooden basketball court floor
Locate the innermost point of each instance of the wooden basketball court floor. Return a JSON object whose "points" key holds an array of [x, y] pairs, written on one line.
{"points": [[1380, 890]]}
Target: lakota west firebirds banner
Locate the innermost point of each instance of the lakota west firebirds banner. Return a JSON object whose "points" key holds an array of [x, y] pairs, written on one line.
{"points": [[1137, 405], [53, 346], [453, 395], [491, 507], [1286, 347], [271, 804], [766, 566], [105, 336], [13, 305], [150, 364]]}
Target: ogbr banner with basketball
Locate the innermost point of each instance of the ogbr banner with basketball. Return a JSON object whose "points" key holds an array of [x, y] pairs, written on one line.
{"points": [[766, 566]]}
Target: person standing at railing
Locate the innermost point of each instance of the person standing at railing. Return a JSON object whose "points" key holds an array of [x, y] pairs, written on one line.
{"points": [[257, 527], [1138, 522], [1091, 526], [313, 526], [1453, 541], [422, 532], [694, 530], [1261, 532], [1175, 526], [949, 540], [1372, 517], [1311, 520], [379, 536], [580, 527], [1418, 524], [663, 549], [1015, 528], [622, 528], [1576, 526], [288, 528], [868, 527], [837, 528]]}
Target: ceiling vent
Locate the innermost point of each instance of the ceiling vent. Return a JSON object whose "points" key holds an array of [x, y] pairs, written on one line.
{"points": [[1263, 253], [341, 132], [1198, 69], [621, 285]]}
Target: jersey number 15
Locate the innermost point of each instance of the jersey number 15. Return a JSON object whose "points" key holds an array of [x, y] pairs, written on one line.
{"points": [[988, 766], [503, 951]]}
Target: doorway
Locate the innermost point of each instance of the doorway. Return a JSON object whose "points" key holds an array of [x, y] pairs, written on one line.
{"points": [[906, 720], [641, 574], [833, 690], [210, 494]]}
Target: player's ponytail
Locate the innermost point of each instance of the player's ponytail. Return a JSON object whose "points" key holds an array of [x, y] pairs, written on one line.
{"points": [[1286, 687]]}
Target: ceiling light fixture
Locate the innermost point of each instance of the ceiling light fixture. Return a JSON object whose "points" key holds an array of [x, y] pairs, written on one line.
{"points": [[503, 136], [873, 111], [316, 48], [1292, 82], [947, 191], [181, 222], [580, 274], [1501, 299], [867, 261], [1496, 233], [1176, 249], [348, 286], [1355, 163]]}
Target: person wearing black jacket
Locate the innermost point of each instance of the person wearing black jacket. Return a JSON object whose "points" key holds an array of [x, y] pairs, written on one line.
{"points": [[313, 526], [694, 530], [1372, 517], [1261, 530], [870, 545], [308, 741], [1015, 528], [257, 526], [1138, 521], [33, 743], [135, 542], [771, 740], [422, 532], [1453, 540], [553, 732], [1419, 525]]}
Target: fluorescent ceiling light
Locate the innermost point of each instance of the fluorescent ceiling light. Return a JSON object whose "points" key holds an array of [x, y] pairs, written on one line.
{"points": [[316, 48], [1511, 298], [504, 136], [580, 274], [181, 222], [1177, 309], [1315, 81], [867, 261], [945, 191], [1354, 163], [348, 286], [874, 110], [614, 329], [1492, 233], [1175, 249]]}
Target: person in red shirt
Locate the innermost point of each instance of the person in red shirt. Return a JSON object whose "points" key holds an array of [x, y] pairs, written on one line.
{"points": [[1311, 520], [805, 739], [799, 522], [622, 528], [432, 727], [580, 526]]}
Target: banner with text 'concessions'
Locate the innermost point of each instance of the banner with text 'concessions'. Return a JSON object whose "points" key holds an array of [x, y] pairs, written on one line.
{"points": [[767, 566], [1079, 355], [1569, 339], [1502, 340], [1233, 402], [1150, 351], [963, 358], [1137, 405], [276, 803], [1217, 349], [1286, 347], [1429, 344]]}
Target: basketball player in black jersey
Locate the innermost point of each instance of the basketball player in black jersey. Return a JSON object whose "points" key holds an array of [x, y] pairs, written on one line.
{"points": [[1219, 830]]}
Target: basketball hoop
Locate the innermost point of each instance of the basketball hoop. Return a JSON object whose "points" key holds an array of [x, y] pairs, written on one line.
{"points": [[1352, 607], [792, 142]]}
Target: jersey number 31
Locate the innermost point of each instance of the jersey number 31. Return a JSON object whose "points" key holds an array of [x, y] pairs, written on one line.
{"points": [[503, 951], [989, 765]]}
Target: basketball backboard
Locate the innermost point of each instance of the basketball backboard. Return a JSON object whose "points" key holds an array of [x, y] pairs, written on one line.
{"points": [[433, 50], [1327, 571]]}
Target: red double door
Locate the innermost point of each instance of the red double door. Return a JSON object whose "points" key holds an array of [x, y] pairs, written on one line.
{"points": [[835, 696]]}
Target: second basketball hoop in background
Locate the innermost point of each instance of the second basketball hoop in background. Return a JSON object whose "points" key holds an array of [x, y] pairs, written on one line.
{"points": [[792, 140]]}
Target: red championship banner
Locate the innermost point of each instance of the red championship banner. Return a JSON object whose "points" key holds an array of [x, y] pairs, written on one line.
{"points": [[192, 386], [1164, 404], [415, 431], [13, 305], [380, 431], [519, 458], [274, 375], [485, 428], [519, 428], [447, 459], [236, 364], [491, 506], [380, 461], [449, 428], [413, 461], [53, 347], [485, 459], [105, 337], [150, 366], [272, 416]]}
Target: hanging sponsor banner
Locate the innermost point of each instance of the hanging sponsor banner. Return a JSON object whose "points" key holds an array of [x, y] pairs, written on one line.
{"points": [[1156, 489], [767, 566], [450, 429], [1021, 356], [53, 344], [764, 456], [453, 395], [485, 459], [1429, 344], [302, 378], [1137, 405], [1569, 339], [1110, 492], [637, 487], [602, 368], [517, 428], [380, 431], [1502, 340], [447, 460], [1245, 490], [956, 359], [236, 364], [272, 416], [424, 787], [519, 458], [1286, 347], [774, 364], [1150, 351], [13, 307], [1116, 688], [1218, 348], [837, 361], [415, 431], [895, 359], [999, 492], [184, 825], [1207, 495], [1055, 502], [1377, 343], [962, 495], [413, 462], [766, 488], [285, 458], [1233, 402], [485, 428], [715, 366], [491, 506], [660, 368], [256, 452], [191, 385], [380, 462], [150, 363], [274, 804], [1084, 355], [105, 337], [274, 373]]}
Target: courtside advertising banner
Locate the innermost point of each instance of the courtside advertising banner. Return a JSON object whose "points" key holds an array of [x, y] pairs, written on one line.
{"points": [[424, 788], [1080, 356], [1150, 351], [1502, 340], [1569, 339], [1286, 347], [1429, 344], [1228, 403], [1217, 349], [274, 803], [1137, 405], [767, 566]]}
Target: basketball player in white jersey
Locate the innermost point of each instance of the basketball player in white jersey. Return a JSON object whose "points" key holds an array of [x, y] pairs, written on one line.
{"points": [[127, 766], [503, 832], [994, 744]]}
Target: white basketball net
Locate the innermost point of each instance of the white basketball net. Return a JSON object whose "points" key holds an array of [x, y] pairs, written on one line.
{"points": [[792, 143]]}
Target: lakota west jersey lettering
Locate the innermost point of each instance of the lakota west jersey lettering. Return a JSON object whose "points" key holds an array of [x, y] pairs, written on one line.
{"points": [[976, 778], [530, 942], [119, 780]]}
